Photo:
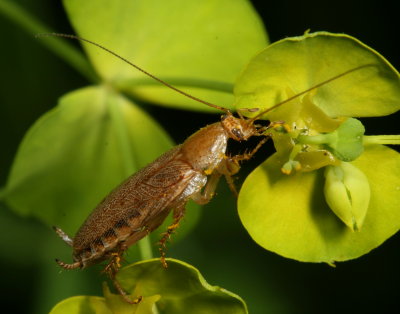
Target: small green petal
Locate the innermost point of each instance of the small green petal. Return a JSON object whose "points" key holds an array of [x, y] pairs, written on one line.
{"points": [[313, 160], [347, 193]]}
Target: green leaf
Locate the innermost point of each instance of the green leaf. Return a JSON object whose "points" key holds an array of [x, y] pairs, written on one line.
{"points": [[181, 286], [77, 153], [293, 65], [118, 305], [82, 305], [178, 289], [288, 214], [197, 45]]}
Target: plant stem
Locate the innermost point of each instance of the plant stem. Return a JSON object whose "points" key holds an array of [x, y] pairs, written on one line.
{"points": [[67, 52], [128, 161], [381, 139]]}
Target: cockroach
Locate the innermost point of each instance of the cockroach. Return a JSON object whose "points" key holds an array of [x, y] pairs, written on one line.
{"points": [[188, 171]]}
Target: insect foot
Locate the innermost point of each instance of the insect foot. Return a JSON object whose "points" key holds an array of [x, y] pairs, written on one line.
{"points": [[111, 270]]}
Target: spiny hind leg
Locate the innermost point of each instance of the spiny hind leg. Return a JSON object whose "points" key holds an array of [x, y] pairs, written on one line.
{"points": [[179, 212], [112, 269]]}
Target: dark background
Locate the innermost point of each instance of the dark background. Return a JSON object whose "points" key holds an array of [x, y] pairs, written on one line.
{"points": [[33, 79]]}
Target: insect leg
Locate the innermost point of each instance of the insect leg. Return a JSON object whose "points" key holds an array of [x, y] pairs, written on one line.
{"points": [[178, 215], [112, 269], [229, 167], [123, 294], [247, 156], [203, 197]]}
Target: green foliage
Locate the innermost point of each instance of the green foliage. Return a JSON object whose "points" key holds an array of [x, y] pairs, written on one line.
{"points": [[191, 44], [178, 289], [76, 150]]}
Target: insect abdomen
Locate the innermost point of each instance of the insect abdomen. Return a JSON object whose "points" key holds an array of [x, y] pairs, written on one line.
{"points": [[109, 242]]}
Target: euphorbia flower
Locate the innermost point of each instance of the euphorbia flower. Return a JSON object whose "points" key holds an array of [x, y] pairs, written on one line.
{"points": [[287, 204]]}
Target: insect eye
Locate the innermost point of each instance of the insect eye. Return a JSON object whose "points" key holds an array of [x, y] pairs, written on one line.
{"points": [[238, 133]]}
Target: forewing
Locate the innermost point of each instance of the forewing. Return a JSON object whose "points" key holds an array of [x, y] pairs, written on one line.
{"points": [[142, 197]]}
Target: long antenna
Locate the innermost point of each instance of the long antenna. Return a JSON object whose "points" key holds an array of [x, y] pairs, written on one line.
{"points": [[133, 65], [310, 89], [191, 96]]}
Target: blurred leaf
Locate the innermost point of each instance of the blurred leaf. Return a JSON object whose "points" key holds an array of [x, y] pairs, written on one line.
{"points": [[73, 156], [293, 65], [178, 289], [181, 286], [288, 214], [30, 237], [196, 45], [83, 305]]}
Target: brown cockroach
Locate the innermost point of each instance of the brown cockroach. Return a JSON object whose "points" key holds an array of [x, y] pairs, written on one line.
{"points": [[141, 203]]}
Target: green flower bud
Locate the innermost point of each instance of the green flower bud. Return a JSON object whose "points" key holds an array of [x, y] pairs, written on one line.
{"points": [[347, 193], [289, 166]]}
